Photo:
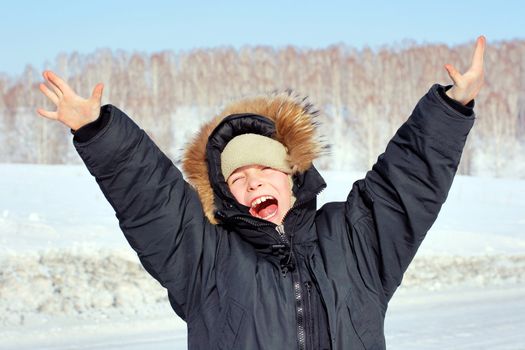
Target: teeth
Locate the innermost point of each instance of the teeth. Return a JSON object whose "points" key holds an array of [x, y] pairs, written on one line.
{"points": [[260, 200]]}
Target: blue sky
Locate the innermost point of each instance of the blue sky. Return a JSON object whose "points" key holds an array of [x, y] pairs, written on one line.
{"points": [[34, 32]]}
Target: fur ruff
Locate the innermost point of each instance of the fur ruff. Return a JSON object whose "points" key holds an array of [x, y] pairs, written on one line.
{"points": [[295, 126]]}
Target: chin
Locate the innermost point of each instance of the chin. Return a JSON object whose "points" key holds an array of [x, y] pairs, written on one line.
{"points": [[276, 221]]}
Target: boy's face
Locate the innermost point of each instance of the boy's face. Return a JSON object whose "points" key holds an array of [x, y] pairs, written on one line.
{"points": [[265, 190]]}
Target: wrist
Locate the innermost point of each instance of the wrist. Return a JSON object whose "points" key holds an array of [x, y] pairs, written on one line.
{"points": [[463, 109], [452, 94], [87, 120], [88, 131]]}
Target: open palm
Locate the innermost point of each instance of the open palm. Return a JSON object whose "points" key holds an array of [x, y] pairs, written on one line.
{"points": [[72, 110]]}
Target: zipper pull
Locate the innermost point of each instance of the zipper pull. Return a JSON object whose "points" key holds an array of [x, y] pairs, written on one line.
{"points": [[282, 233], [280, 230], [286, 251]]}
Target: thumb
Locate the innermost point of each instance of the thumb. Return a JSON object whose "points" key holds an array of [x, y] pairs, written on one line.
{"points": [[97, 92], [453, 73]]}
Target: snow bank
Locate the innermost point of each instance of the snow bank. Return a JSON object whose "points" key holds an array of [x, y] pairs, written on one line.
{"points": [[93, 283], [444, 272], [74, 283]]}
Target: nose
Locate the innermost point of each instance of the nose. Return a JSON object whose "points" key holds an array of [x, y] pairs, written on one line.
{"points": [[254, 182]]}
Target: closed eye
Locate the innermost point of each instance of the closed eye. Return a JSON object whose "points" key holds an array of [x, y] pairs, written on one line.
{"points": [[235, 179]]}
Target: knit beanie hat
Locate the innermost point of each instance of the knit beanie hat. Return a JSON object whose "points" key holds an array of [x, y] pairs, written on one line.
{"points": [[251, 149]]}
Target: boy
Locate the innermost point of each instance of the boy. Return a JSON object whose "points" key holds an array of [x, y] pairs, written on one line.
{"points": [[247, 260]]}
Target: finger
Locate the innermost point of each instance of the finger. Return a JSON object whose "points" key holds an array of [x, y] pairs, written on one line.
{"points": [[53, 86], [453, 73], [50, 94], [58, 82], [97, 92], [477, 58], [47, 114]]}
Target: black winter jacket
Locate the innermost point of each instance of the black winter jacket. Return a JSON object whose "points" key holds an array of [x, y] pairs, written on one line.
{"points": [[246, 283]]}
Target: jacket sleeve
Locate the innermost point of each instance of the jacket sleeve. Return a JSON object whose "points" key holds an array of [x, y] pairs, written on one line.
{"points": [[158, 212], [400, 197]]}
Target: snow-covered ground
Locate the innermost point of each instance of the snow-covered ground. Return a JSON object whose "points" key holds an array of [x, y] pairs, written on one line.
{"points": [[61, 251]]}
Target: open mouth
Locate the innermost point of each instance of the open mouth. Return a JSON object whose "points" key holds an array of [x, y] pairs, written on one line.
{"points": [[264, 207]]}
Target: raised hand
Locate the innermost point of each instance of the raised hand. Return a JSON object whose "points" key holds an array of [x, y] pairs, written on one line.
{"points": [[467, 85], [72, 110]]}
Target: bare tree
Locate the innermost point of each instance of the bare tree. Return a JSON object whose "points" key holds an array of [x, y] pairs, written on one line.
{"points": [[365, 95]]}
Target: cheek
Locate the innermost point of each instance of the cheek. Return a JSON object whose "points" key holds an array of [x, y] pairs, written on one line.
{"points": [[238, 193], [287, 192], [284, 186]]}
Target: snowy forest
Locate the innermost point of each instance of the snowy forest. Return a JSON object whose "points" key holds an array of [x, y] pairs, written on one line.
{"points": [[363, 95]]}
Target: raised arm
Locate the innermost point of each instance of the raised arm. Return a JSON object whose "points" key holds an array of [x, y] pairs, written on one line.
{"points": [[392, 209], [159, 213]]}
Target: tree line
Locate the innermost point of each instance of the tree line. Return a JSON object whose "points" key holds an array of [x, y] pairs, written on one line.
{"points": [[364, 96]]}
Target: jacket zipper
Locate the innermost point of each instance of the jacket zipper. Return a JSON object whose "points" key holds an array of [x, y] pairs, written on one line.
{"points": [[298, 295], [309, 312], [296, 279]]}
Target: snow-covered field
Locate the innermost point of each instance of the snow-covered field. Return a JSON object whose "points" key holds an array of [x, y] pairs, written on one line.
{"points": [[68, 279]]}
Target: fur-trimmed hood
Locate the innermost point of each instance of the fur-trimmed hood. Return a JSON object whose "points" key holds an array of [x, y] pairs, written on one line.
{"points": [[292, 122]]}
